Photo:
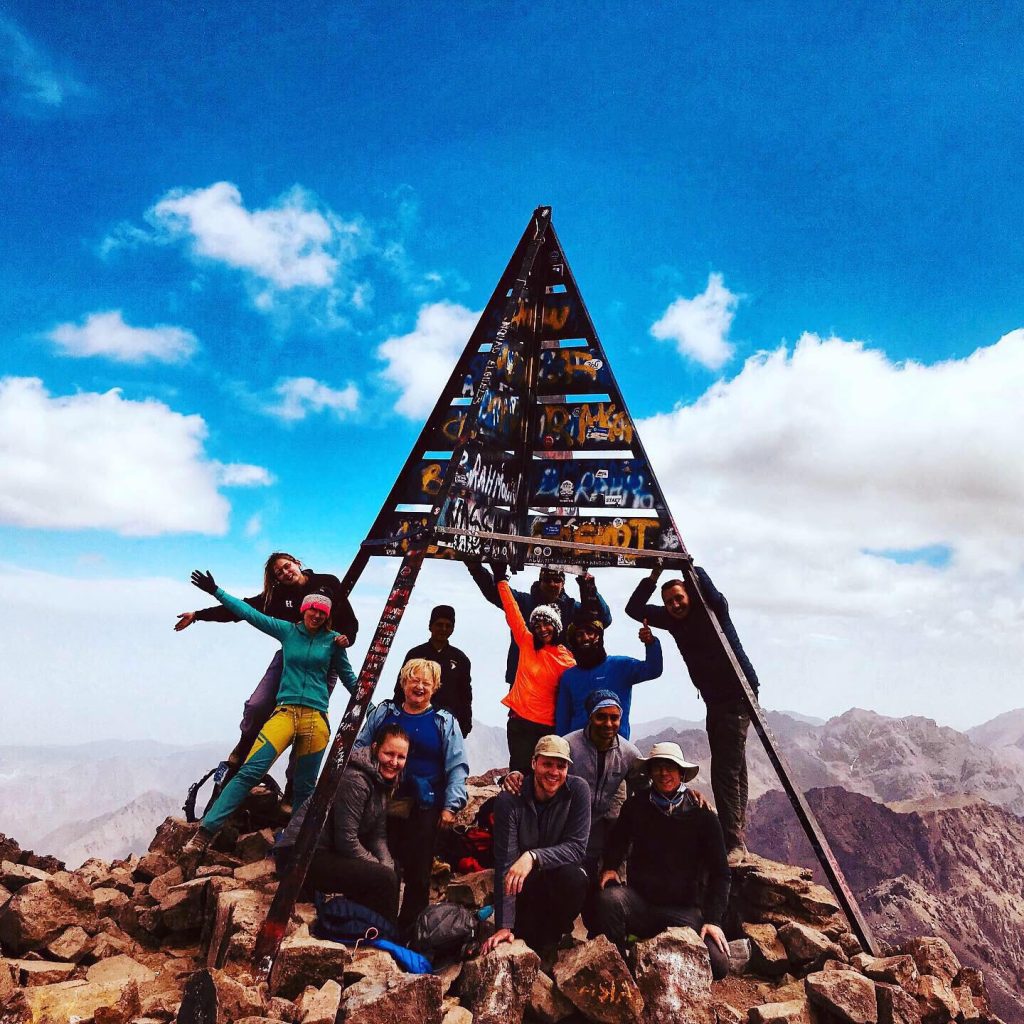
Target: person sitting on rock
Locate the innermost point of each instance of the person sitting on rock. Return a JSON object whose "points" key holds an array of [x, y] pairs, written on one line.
{"points": [[433, 789], [540, 838], [602, 759], [596, 670], [678, 874], [352, 856]]}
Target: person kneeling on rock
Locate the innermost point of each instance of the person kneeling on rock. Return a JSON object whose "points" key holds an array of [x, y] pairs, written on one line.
{"points": [[678, 872], [540, 839]]}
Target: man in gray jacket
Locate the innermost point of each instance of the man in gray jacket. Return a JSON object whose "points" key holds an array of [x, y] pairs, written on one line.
{"points": [[540, 838]]}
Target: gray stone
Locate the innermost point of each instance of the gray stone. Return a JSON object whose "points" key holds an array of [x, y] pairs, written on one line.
{"points": [[847, 994], [595, 979], [495, 988], [673, 975], [896, 1006], [933, 956], [546, 1003], [807, 945], [413, 998], [304, 961]]}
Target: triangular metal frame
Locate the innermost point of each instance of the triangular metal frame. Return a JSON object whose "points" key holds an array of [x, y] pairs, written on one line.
{"points": [[528, 457]]}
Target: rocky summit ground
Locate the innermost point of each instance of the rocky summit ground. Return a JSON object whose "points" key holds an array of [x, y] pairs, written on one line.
{"points": [[120, 942]]}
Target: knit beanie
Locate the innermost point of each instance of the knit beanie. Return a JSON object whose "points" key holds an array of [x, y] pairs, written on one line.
{"points": [[321, 602], [549, 612], [443, 611]]}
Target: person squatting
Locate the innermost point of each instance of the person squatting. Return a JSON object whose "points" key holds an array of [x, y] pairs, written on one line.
{"points": [[585, 826]]}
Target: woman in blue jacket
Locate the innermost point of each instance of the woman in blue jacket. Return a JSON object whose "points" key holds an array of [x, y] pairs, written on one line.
{"points": [[433, 789], [310, 651]]}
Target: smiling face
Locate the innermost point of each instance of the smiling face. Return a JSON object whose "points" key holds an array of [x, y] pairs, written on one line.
{"points": [[440, 629], [287, 571], [666, 776], [543, 630], [313, 619], [391, 756], [418, 687], [604, 727], [677, 601], [552, 587], [548, 775], [586, 636]]}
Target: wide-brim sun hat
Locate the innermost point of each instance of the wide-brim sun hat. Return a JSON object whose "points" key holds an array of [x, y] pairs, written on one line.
{"points": [[669, 752]]}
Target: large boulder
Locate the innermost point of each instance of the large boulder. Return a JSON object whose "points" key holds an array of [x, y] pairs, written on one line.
{"points": [[304, 961], [594, 977], [936, 999], [846, 994], [233, 921], [495, 988], [933, 956], [767, 953], [40, 911], [320, 1005], [807, 946], [673, 974], [67, 1001], [414, 998], [896, 1006], [546, 1003]]}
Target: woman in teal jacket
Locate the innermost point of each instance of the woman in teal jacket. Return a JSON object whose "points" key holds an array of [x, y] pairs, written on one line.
{"points": [[310, 651]]}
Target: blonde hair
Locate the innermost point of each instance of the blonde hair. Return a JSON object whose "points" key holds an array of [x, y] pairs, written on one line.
{"points": [[424, 666]]}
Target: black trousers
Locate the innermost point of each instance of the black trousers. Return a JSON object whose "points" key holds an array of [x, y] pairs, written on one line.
{"points": [[727, 726], [620, 911], [365, 881], [522, 738], [549, 904], [412, 841]]}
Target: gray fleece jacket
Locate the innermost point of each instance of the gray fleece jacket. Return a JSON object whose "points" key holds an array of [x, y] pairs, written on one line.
{"points": [[557, 836], [357, 822]]}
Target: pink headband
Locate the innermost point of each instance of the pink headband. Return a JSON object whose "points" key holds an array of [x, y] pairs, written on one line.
{"points": [[319, 601]]}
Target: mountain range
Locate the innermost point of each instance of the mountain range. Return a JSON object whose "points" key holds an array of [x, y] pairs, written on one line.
{"points": [[93, 799]]}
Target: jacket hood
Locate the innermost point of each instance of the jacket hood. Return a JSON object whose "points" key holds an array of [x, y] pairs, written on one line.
{"points": [[361, 761]]}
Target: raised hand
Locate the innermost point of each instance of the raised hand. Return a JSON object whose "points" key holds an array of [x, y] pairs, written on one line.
{"points": [[204, 581], [645, 634]]}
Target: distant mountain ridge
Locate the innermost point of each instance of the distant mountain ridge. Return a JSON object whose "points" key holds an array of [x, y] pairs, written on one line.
{"points": [[954, 871], [58, 798]]}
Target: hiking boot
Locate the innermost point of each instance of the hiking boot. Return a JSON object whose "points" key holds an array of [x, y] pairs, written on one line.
{"points": [[192, 852], [737, 854]]}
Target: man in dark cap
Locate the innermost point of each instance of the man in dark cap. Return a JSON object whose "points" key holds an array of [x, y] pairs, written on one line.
{"points": [[456, 691]]}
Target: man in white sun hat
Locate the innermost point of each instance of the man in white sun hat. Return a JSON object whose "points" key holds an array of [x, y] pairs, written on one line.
{"points": [[678, 874]]}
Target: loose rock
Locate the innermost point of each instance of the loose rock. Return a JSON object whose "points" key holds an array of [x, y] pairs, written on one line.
{"points": [[847, 994], [595, 979], [495, 988], [673, 974]]}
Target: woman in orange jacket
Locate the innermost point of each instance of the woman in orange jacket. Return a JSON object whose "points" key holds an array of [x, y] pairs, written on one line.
{"points": [[531, 701]]}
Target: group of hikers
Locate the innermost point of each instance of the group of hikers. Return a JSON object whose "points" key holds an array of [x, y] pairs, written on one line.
{"points": [[584, 825]]}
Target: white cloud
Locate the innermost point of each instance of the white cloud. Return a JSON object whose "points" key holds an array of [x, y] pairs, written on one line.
{"points": [[783, 478], [100, 461], [700, 326], [241, 474], [106, 334], [300, 396], [419, 363], [35, 80], [289, 245]]}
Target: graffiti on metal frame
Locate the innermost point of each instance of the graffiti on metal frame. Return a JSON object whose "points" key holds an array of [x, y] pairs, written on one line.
{"points": [[571, 369], [583, 425], [606, 483], [493, 476]]}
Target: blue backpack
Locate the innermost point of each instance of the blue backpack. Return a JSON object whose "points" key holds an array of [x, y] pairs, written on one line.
{"points": [[340, 919]]}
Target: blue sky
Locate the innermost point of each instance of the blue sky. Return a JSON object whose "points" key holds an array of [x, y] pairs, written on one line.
{"points": [[226, 217]]}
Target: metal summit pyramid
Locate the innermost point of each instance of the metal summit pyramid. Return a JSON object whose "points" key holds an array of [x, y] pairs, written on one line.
{"points": [[530, 455]]}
